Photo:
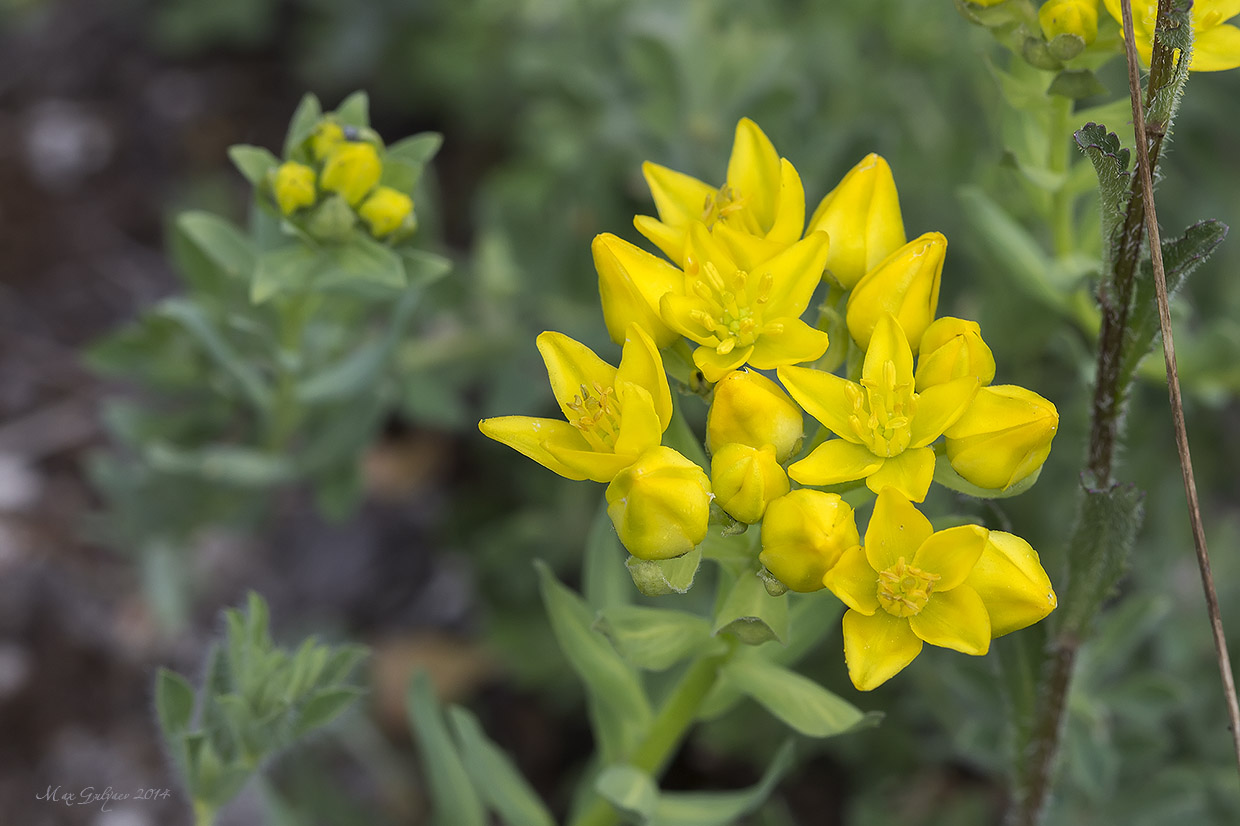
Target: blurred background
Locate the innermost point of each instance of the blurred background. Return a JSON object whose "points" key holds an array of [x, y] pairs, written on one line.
{"points": [[115, 116]]}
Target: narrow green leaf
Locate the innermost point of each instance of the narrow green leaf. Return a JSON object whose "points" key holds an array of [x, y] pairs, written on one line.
{"points": [[455, 802], [494, 775], [721, 808], [618, 705], [225, 464], [192, 318], [174, 703], [602, 578], [305, 118], [324, 706], [253, 162], [227, 252], [799, 701], [423, 268], [629, 789], [657, 638], [658, 577], [1010, 243], [1106, 527], [289, 268], [751, 614], [355, 110]]}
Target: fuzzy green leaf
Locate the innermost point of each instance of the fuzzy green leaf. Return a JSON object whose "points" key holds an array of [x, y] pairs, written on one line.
{"points": [[174, 703], [1110, 160], [1098, 553], [324, 706]]}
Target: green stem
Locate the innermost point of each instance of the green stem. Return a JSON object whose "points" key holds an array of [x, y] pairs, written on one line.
{"points": [[1062, 202], [293, 317], [204, 815], [665, 733]]}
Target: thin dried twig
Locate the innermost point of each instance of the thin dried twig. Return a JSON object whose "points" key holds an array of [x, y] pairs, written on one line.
{"points": [[1173, 383]]}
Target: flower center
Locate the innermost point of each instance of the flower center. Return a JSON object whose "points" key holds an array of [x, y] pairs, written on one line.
{"points": [[723, 204], [903, 590], [733, 306], [882, 412], [597, 417]]}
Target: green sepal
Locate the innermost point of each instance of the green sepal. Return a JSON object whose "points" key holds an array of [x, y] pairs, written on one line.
{"points": [[1076, 83], [750, 614], [1064, 47], [659, 577], [1037, 53]]}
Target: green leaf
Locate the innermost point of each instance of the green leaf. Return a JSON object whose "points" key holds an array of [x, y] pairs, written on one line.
{"points": [[355, 110], [305, 119], [416, 150], [363, 260], [751, 614], [226, 253], [196, 322], [799, 701], [290, 268], [629, 789], [619, 708], [324, 706], [721, 808], [455, 802], [423, 268], [253, 162], [1106, 526], [602, 580], [494, 775], [657, 638], [658, 577], [174, 703], [1076, 84], [1011, 244], [225, 464], [1110, 160], [1181, 256]]}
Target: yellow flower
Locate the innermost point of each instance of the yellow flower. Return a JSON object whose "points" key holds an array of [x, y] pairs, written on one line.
{"points": [[386, 211], [1003, 437], [750, 409], [804, 535], [905, 284], [630, 283], [327, 136], [885, 428], [613, 415], [762, 196], [1012, 583], [1216, 45], [1078, 17], [862, 216], [660, 505], [747, 317], [745, 480], [908, 586], [352, 170], [951, 348], [293, 187]]}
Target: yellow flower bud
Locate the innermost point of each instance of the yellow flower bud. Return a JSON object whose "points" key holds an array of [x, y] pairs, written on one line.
{"points": [[1003, 437], [1012, 583], [386, 210], [804, 534], [1078, 17], [327, 136], [352, 169], [745, 480], [952, 348], [660, 504], [905, 284], [293, 187], [862, 216], [750, 409]]}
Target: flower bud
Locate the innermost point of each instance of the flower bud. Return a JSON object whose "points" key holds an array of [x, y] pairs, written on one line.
{"points": [[386, 210], [1012, 583], [630, 283], [352, 170], [1003, 437], [293, 187], [1078, 17], [326, 137], [862, 216], [953, 348], [660, 504], [750, 409], [804, 534], [745, 480], [905, 284], [332, 220]]}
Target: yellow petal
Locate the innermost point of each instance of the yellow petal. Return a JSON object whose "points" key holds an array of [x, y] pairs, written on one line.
{"points": [[790, 211], [660, 505], [862, 216], [715, 365], [897, 529], [1013, 585], [910, 472], [748, 251], [797, 342], [1003, 437], [745, 480], [835, 461], [641, 364], [952, 348], [877, 647], [1216, 49], [754, 171], [954, 619], [588, 463], [630, 283], [529, 436], [939, 407], [750, 409], [671, 240], [854, 581], [888, 343], [679, 198], [951, 554], [795, 274], [906, 284], [571, 364], [825, 396], [640, 426], [703, 247]]}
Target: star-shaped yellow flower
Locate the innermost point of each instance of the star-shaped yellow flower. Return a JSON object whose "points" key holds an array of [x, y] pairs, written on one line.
{"points": [[885, 427], [1216, 45], [612, 415]]}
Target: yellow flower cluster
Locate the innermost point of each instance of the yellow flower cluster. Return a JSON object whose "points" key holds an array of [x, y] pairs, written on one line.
{"points": [[741, 269], [342, 185]]}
